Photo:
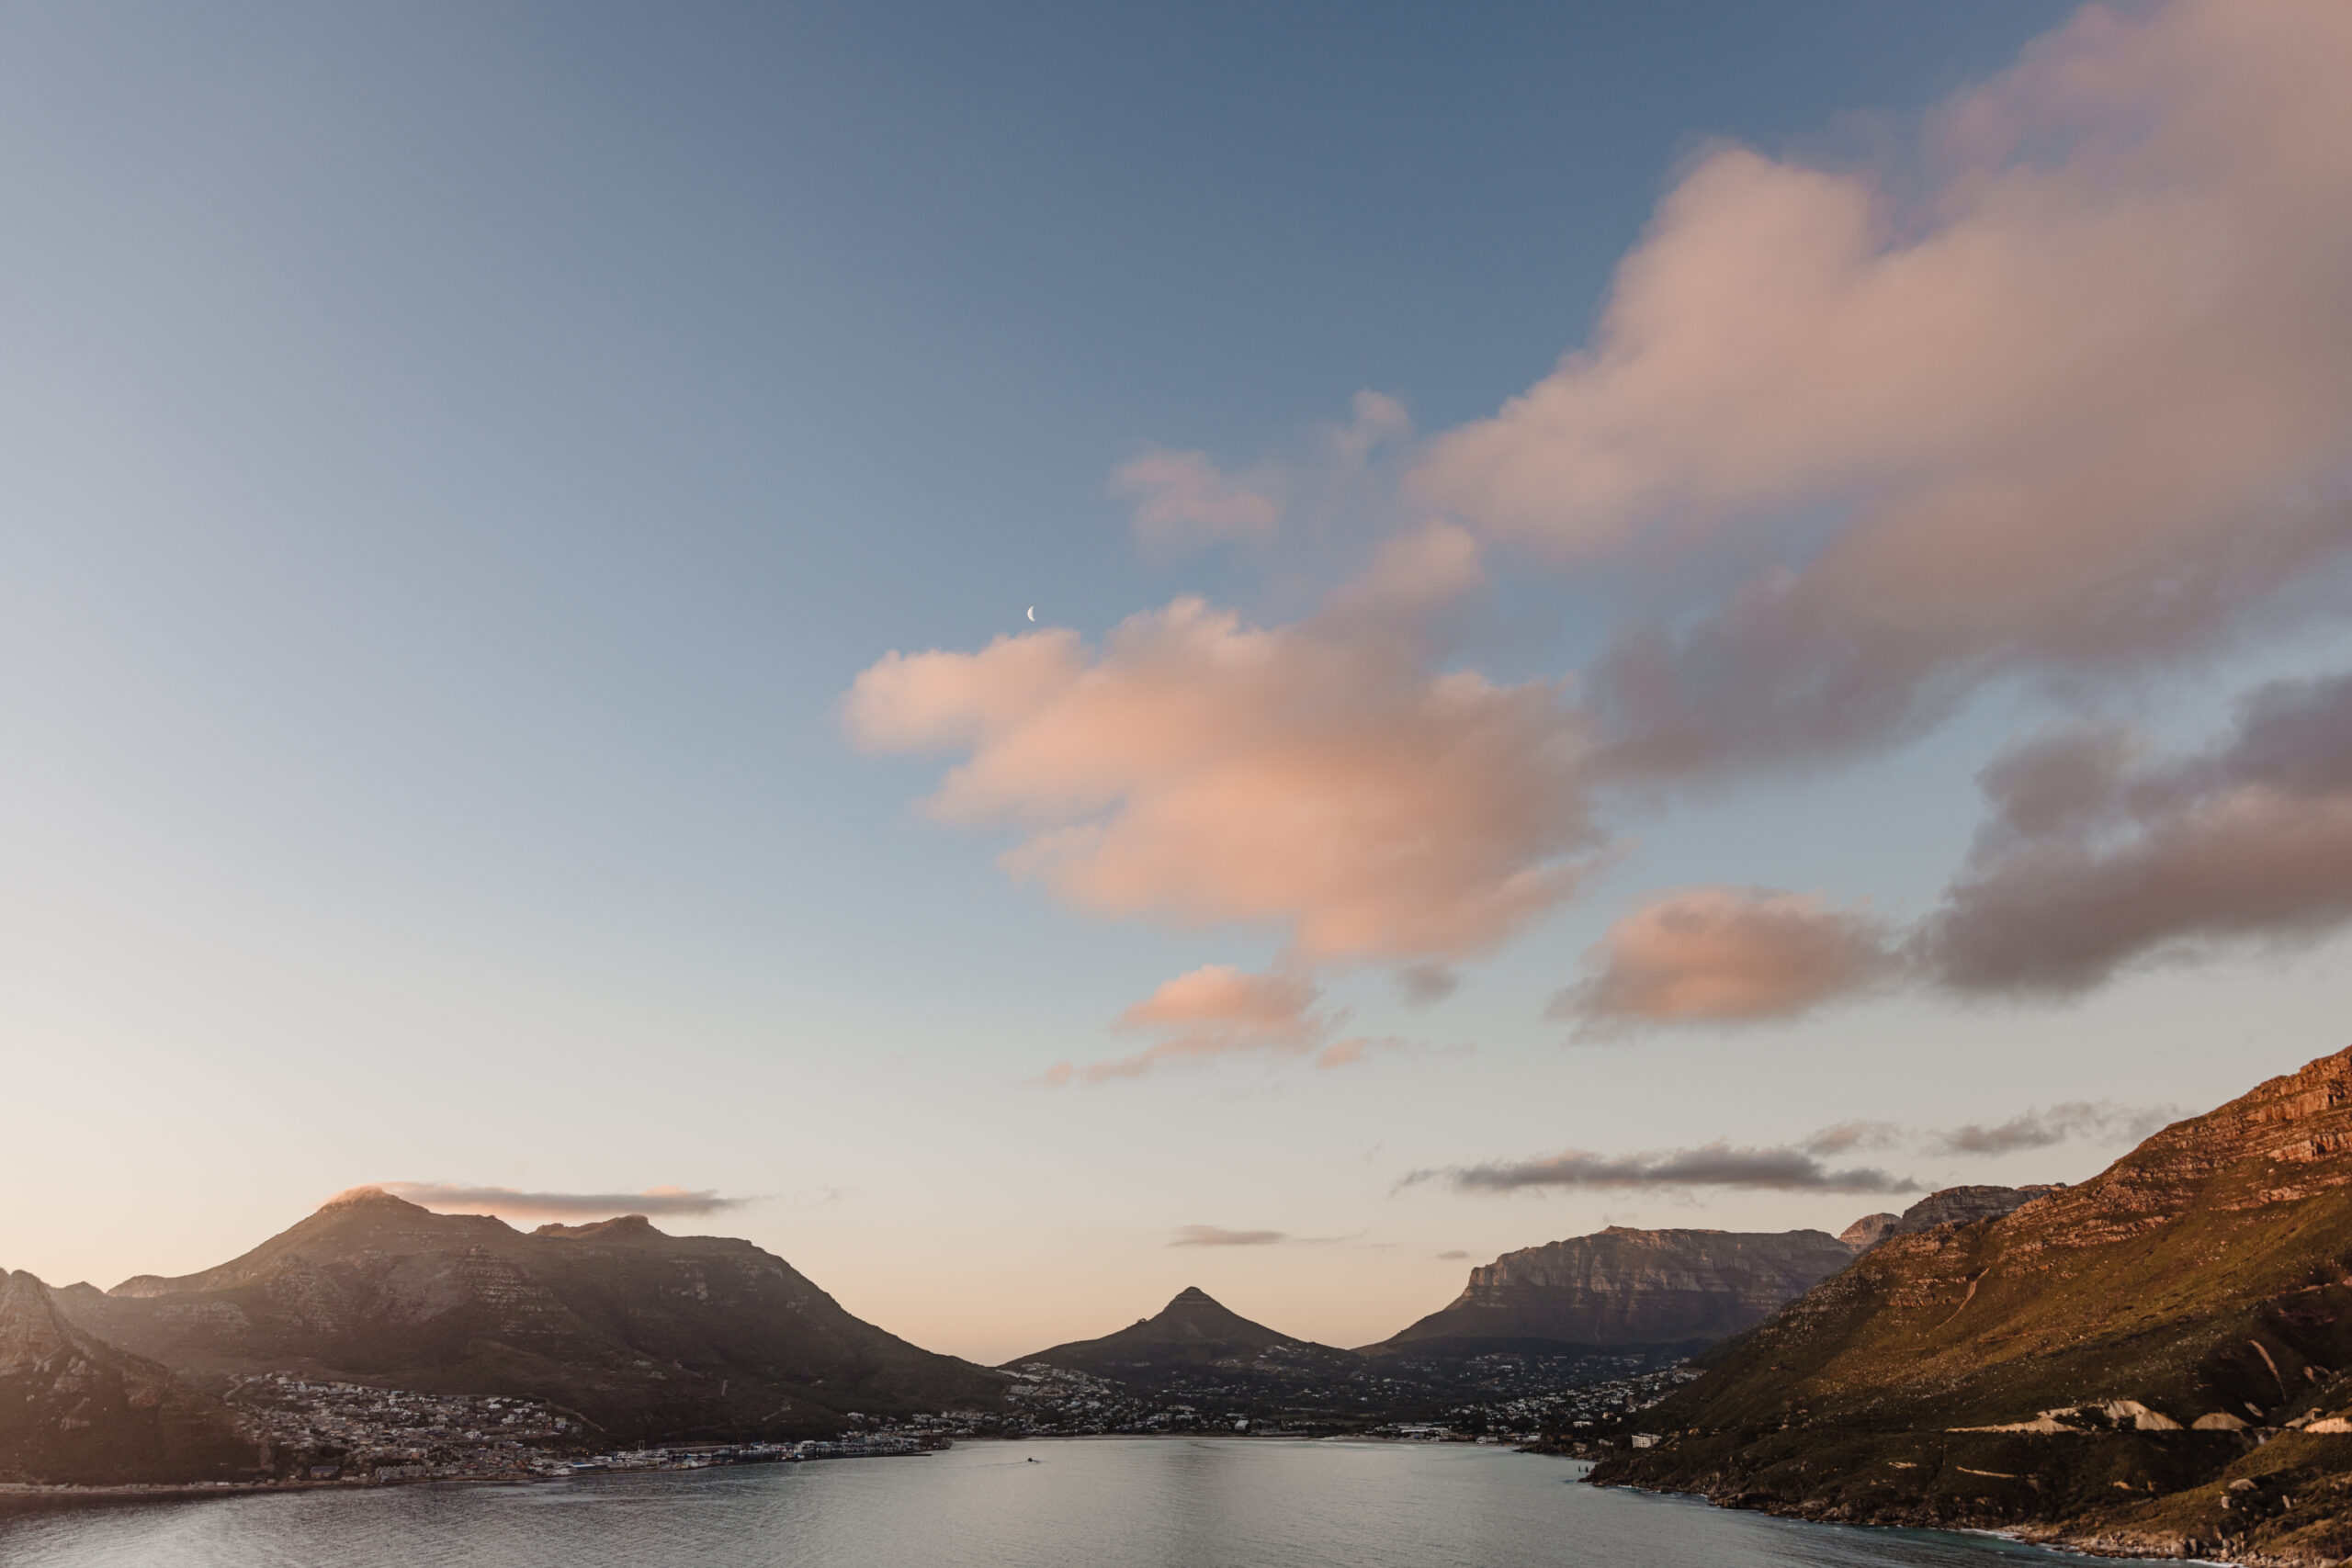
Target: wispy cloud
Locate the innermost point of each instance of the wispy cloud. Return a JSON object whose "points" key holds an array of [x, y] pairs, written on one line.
{"points": [[1214, 1236], [2041, 1129], [1217, 1235], [1453, 1255], [1786, 1168], [1219, 1010], [454, 1198], [1181, 499], [1847, 1136], [1806, 1165]]}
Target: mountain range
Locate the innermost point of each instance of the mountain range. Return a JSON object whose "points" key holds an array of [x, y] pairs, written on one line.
{"points": [[2208, 1269], [2152, 1361]]}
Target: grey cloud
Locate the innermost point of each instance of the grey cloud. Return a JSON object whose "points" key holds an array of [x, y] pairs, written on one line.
{"points": [[1427, 983], [2094, 858], [1848, 1137], [1454, 1256], [2096, 854], [657, 1200], [2040, 1129], [1785, 1168]]}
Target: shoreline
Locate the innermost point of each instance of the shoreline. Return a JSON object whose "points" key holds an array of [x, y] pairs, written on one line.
{"points": [[2055, 1541]]}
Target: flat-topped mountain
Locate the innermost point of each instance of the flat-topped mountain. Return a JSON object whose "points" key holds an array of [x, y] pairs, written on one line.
{"points": [[1193, 1335], [647, 1335], [74, 1409], [1663, 1290], [2099, 1361]]}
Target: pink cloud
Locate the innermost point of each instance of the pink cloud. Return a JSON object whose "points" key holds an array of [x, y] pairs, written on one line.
{"points": [[1726, 956], [2068, 397], [1315, 777], [1219, 1010], [1181, 499]]}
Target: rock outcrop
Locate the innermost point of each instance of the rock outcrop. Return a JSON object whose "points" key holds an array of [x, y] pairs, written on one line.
{"points": [[1647, 1288], [2150, 1361], [1868, 1231], [1965, 1206], [646, 1335], [74, 1409]]}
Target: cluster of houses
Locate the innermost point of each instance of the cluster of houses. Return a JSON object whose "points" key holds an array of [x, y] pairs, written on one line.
{"points": [[316, 1430]]}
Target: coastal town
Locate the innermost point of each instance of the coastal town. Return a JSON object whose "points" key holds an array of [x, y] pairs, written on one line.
{"points": [[322, 1433]]}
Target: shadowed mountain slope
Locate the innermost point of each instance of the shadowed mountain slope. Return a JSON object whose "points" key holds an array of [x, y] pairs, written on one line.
{"points": [[645, 1334], [2102, 1361], [75, 1409]]}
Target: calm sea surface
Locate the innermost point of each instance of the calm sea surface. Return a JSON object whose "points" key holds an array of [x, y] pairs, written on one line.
{"points": [[1109, 1503]]}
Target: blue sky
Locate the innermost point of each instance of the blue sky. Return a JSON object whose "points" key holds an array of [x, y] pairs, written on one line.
{"points": [[461, 458]]}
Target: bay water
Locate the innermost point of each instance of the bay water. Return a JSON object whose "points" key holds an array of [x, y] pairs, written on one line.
{"points": [[1102, 1503]]}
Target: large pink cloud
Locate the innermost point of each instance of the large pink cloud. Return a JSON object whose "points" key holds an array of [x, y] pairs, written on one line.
{"points": [[1314, 778], [2068, 395]]}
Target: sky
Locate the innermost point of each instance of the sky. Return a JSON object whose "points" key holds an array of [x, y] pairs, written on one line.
{"points": [[1681, 614]]}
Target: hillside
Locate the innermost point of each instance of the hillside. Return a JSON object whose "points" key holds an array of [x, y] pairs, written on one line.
{"points": [[74, 1409], [647, 1335], [2151, 1359], [1666, 1291]]}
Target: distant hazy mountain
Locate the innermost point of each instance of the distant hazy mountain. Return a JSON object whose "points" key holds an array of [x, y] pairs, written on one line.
{"points": [[1193, 1335], [1631, 1289], [2106, 1361], [644, 1334], [74, 1409]]}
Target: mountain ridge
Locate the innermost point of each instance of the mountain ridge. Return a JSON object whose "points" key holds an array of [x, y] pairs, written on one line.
{"points": [[2105, 1364]]}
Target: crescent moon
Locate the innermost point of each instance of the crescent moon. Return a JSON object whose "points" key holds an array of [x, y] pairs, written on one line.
{"points": [[1033, 612]]}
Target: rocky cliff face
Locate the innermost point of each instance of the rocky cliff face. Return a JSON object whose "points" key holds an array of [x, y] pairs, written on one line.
{"points": [[75, 1409], [647, 1335], [2104, 1363], [1633, 1288]]}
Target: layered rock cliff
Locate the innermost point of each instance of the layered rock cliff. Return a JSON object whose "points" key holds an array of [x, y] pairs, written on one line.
{"points": [[647, 1335], [75, 1409], [1630, 1288], [2103, 1363]]}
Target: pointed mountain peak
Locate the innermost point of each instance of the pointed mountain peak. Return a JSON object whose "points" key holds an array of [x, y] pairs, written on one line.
{"points": [[367, 1197], [1193, 1295]]}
